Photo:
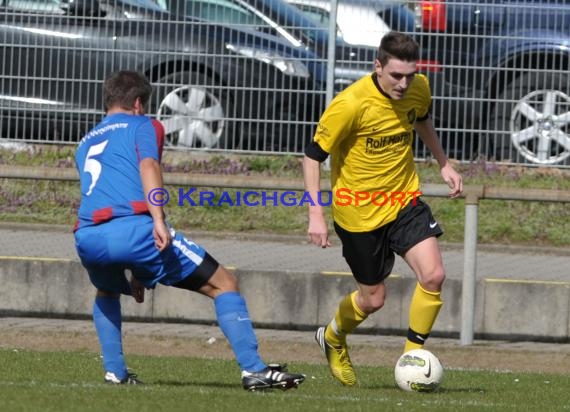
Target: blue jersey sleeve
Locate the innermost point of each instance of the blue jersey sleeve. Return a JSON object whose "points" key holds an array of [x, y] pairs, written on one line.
{"points": [[146, 141]]}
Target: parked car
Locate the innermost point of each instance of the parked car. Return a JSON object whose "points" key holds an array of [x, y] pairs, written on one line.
{"points": [[364, 22], [361, 22], [283, 20], [215, 85], [504, 75]]}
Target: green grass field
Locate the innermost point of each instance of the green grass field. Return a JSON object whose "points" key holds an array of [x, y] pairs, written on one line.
{"points": [[72, 381]]}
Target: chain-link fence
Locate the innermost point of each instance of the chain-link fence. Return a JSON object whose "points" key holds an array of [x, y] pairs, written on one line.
{"points": [[255, 75]]}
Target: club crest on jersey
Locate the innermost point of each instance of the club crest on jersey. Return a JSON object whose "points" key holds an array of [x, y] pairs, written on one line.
{"points": [[322, 129], [412, 116]]}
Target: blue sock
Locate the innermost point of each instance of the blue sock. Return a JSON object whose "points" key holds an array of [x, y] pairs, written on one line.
{"points": [[107, 319], [233, 318]]}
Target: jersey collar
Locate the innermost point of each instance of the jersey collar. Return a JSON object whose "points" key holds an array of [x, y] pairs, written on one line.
{"points": [[375, 80]]}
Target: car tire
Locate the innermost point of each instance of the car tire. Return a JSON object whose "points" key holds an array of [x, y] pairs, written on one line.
{"points": [[526, 123], [195, 113]]}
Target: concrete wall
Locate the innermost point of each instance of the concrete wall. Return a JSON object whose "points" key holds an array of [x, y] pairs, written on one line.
{"points": [[504, 309]]}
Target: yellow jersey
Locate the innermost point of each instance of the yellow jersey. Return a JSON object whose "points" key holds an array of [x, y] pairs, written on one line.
{"points": [[369, 137]]}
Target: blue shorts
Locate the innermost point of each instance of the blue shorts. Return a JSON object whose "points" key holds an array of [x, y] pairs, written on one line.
{"points": [[127, 243]]}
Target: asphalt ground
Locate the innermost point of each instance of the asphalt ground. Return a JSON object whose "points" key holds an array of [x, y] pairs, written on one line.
{"points": [[295, 254]]}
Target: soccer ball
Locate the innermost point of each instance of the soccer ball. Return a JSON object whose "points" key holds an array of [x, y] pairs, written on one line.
{"points": [[418, 370]]}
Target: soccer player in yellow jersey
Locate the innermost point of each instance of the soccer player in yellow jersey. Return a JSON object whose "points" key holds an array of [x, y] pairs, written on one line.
{"points": [[368, 131]]}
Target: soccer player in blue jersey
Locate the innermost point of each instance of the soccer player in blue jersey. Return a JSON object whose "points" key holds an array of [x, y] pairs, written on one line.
{"points": [[119, 229]]}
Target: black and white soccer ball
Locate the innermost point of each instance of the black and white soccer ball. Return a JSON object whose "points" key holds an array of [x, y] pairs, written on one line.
{"points": [[418, 370]]}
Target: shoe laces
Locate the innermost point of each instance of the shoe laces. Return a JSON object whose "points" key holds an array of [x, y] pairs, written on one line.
{"points": [[342, 352]]}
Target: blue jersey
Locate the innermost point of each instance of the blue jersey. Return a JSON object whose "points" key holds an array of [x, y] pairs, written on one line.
{"points": [[107, 160]]}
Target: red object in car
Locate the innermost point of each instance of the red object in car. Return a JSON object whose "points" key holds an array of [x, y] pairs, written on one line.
{"points": [[430, 66], [433, 16]]}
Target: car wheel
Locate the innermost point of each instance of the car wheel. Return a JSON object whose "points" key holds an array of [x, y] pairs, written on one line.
{"points": [[532, 119], [195, 114]]}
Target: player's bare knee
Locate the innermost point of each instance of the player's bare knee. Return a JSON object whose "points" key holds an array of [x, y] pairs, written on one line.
{"points": [[225, 280], [372, 304], [376, 305], [433, 281]]}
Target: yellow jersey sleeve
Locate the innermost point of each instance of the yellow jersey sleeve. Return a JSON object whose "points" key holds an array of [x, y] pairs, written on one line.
{"points": [[424, 95], [336, 123]]}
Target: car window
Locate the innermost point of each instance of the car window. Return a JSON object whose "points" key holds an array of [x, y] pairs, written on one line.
{"points": [[45, 6], [238, 13], [318, 15], [221, 11], [148, 4]]}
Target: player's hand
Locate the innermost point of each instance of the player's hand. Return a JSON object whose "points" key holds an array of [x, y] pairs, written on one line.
{"points": [[162, 236], [453, 180], [137, 290], [318, 231]]}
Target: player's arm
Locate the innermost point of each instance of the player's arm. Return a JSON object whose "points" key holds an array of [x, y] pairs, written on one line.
{"points": [[334, 125], [427, 133], [159, 131], [151, 177], [318, 231]]}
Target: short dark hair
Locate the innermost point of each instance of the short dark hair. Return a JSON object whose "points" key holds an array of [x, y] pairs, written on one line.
{"points": [[399, 46], [124, 87]]}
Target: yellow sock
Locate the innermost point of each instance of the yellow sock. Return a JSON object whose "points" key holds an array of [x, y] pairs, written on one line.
{"points": [[348, 316], [424, 308]]}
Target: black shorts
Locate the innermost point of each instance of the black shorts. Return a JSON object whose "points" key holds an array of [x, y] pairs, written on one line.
{"points": [[370, 255], [200, 276]]}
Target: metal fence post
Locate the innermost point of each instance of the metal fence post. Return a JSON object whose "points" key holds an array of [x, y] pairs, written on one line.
{"points": [[469, 269], [331, 52], [331, 63]]}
